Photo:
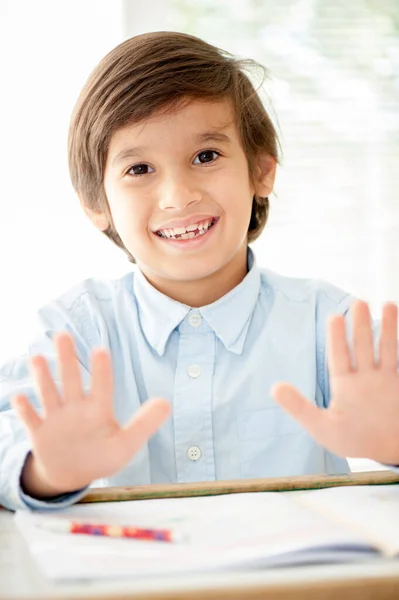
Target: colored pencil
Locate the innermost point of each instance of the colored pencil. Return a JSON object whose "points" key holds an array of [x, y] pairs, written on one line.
{"points": [[115, 531]]}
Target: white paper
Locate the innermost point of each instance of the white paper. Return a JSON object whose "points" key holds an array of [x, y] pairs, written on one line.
{"points": [[228, 531], [371, 510]]}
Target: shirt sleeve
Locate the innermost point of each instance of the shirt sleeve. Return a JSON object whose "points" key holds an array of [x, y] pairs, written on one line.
{"points": [[15, 379], [15, 498]]}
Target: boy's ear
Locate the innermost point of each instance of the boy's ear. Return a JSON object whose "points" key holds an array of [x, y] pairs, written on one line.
{"points": [[265, 175], [99, 219]]}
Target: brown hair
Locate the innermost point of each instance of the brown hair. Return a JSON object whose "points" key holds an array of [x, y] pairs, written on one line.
{"points": [[153, 72]]}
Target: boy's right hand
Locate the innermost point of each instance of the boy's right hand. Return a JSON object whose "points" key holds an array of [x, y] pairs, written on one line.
{"points": [[78, 439]]}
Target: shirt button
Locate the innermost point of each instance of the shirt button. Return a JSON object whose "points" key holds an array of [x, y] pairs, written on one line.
{"points": [[195, 320], [194, 371], [194, 453]]}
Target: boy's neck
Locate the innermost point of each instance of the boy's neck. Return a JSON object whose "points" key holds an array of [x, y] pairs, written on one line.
{"points": [[202, 292]]}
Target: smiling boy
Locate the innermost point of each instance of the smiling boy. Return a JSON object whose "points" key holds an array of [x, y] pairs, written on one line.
{"points": [[173, 157]]}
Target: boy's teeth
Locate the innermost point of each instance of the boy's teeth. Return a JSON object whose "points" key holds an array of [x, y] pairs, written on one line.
{"points": [[187, 233]]}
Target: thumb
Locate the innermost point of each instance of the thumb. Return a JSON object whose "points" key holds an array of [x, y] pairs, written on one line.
{"points": [[145, 423], [312, 418]]}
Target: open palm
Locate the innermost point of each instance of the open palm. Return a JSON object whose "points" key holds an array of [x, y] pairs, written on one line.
{"points": [[362, 419], [78, 439]]}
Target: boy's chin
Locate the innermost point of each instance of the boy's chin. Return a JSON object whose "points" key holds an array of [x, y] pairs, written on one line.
{"points": [[184, 271], [191, 273]]}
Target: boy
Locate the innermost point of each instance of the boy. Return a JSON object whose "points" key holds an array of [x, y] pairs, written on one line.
{"points": [[173, 157]]}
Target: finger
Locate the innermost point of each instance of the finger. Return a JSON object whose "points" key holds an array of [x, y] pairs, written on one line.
{"points": [[44, 384], [388, 345], [363, 346], [338, 355], [312, 418], [102, 387], [144, 424], [68, 367], [26, 413]]}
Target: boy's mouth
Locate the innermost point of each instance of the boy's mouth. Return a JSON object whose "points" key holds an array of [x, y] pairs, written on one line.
{"points": [[189, 231]]}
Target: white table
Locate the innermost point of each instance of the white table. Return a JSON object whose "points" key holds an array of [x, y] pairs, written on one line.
{"points": [[20, 578]]}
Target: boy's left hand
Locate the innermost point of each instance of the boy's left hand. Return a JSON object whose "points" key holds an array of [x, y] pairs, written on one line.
{"points": [[362, 419]]}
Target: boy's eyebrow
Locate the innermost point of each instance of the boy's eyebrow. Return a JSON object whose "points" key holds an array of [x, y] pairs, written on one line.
{"points": [[208, 136], [128, 153], [212, 136]]}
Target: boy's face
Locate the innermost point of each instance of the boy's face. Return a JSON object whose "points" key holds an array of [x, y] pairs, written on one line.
{"points": [[180, 194]]}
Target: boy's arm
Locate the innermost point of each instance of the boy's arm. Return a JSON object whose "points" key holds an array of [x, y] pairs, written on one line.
{"points": [[362, 419]]}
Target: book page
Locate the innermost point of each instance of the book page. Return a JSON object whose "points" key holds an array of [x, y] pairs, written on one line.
{"points": [[371, 511], [221, 532]]}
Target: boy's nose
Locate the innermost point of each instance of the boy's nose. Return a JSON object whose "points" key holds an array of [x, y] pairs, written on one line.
{"points": [[177, 196]]}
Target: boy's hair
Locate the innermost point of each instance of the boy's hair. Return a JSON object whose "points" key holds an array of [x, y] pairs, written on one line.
{"points": [[153, 72]]}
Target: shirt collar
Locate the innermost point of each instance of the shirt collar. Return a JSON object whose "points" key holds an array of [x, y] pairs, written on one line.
{"points": [[229, 316]]}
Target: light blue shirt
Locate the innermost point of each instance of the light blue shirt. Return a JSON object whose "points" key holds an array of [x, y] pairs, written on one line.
{"points": [[215, 364]]}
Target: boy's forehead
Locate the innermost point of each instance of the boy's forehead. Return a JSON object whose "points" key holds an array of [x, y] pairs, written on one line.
{"points": [[193, 120]]}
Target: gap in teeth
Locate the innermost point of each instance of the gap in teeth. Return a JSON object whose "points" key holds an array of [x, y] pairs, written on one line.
{"points": [[187, 233]]}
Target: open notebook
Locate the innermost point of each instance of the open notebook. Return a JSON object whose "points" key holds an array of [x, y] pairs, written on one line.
{"points": [[254, 530]]}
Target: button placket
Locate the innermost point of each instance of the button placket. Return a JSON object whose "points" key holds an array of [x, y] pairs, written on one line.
{"points": [[192, 403]]}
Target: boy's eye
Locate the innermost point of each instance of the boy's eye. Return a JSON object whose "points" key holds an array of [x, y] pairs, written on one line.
{"points": [[141, 169], [206, 156]]}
